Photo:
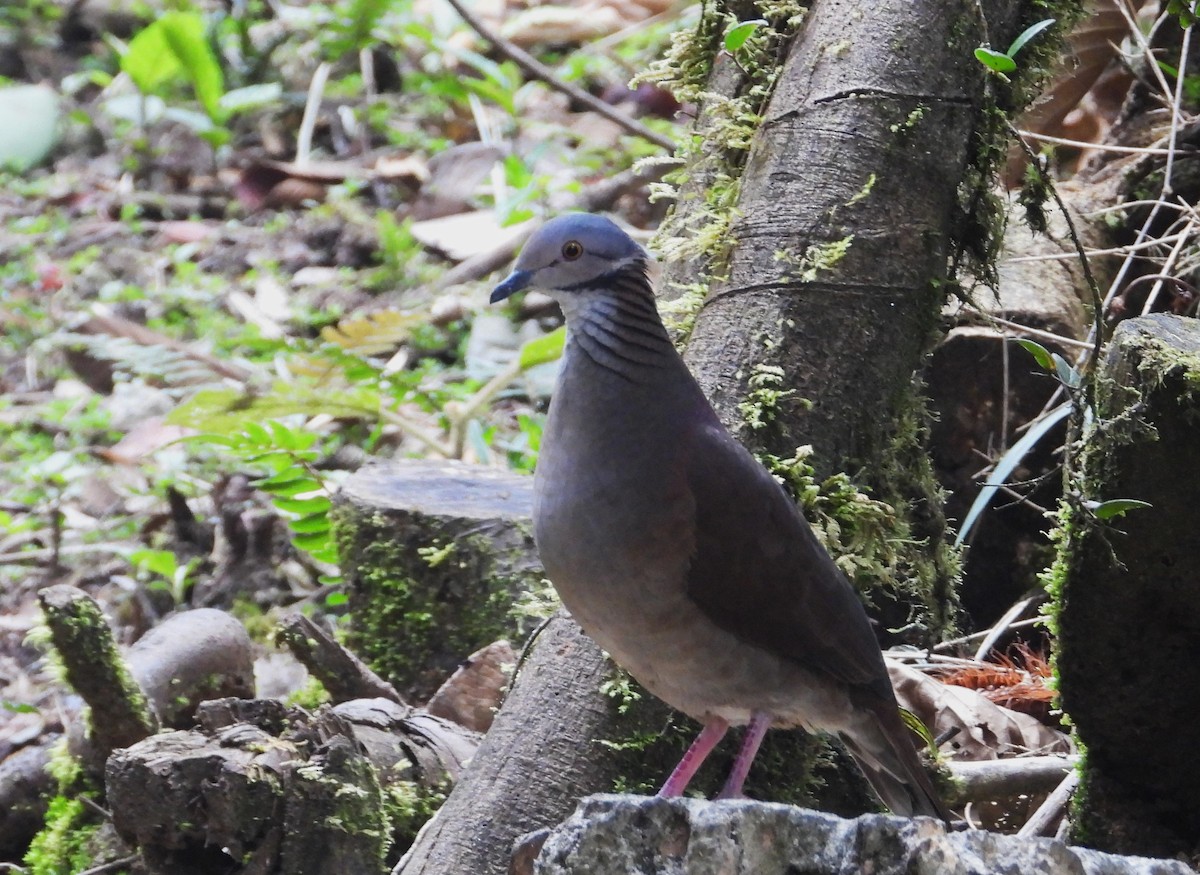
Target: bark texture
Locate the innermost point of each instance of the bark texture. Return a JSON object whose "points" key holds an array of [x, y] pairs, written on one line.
{"points": [[544, 745], [862, 151]]}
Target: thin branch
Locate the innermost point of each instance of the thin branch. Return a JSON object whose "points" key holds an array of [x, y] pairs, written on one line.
{"points": [[535, 68], [1026, 329], [1052, 809], [1062, 141], [1003, 625]]}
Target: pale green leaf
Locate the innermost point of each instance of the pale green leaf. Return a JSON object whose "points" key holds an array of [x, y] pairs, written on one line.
{"points": [[543, 349], [1115, 507], [1039, 352], [996, 61], [739, 33]]}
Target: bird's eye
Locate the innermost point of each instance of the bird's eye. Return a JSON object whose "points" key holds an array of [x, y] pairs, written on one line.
{"points": [[572, 249]]}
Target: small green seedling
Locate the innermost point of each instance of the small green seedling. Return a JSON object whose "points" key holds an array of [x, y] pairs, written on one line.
{"points": [[1004, 62], [739, 33]]}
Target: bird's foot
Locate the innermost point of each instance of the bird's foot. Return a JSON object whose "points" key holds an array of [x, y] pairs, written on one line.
{"points": [[760, 722], [714, 730]]}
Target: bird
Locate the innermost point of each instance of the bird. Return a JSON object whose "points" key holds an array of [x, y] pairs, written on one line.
{"points": [[673, 547]]}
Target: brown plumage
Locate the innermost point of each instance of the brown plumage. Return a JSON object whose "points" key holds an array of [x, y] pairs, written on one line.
{"points": [[677, 551]]}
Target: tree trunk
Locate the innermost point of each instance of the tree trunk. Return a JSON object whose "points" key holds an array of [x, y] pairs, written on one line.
{"points": [[435, 555], [1128, 599], [546, 747]]}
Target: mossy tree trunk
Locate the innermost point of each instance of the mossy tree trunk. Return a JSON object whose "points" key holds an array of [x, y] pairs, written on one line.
{"points": [[1128, 597], [847, 174]]}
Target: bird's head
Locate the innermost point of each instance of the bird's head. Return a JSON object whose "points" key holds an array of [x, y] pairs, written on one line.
{"points": [[571, 252]]}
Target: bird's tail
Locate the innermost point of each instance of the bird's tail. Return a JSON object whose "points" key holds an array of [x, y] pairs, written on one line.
{"points": [[882, 745]]}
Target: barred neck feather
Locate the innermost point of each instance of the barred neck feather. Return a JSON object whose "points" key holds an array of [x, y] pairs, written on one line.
{"points": [[613, 322]]}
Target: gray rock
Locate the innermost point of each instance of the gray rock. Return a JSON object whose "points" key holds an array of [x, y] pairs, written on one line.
{"points": [[615, 835]]}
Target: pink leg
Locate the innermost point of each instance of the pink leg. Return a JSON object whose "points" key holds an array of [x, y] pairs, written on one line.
{"points": [[714, 730], [760, 721]]}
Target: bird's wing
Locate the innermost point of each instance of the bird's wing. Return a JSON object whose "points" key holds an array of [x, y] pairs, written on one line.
{"points": [[759, 572]]}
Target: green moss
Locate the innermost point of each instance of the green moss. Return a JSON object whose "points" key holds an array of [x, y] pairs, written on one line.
{"points": [[310, 696], [818, 258], [418, 609], [259, 625], [80, 629], [889, 536], [61, 848], [679, 312], [717, 151], [407, 806], [911, 120]]}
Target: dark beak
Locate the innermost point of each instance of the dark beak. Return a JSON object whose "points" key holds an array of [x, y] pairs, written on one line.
{"points": [[517, 280]]}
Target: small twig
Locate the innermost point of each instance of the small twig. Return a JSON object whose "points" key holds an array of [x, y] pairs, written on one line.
{"points": [[1052, 809], [316, 89], [535, 68], [1003, 625], [111, 866], [413, 430], [69, 550], [91, 803], [342, 673], [1084, 264], [1026, 329], [461, 416], [951, 643], [1102, 147]]}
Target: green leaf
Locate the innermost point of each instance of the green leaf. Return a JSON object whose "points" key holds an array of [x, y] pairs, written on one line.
{"points": [[288, 483], [149, 61], [175, 47], [311, 524], [250, 97], [327, 554], [312, 542], [1106, 510], [1039, 352], [303, 506], [291, 439], [19, 707], [739, 33], [257, 434], [497, 92], [1026, 35], [1007, 463], [160, 562], [917, 725], [228, 410], [997, 62], [543, 349], [336, 599], [1066, 372]]}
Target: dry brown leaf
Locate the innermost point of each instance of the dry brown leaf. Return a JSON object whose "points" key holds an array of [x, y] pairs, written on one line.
{"points": [[373, 333], [472, 694], [986, 731], [143, 439], [465, 235]]}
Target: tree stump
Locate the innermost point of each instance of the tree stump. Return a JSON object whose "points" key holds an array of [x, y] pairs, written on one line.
{"points": [[1129, 598], [435, 555]]}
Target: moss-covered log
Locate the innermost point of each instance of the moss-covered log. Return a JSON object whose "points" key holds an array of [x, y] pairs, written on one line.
{"points": [[1128, 597], [436, 554]]}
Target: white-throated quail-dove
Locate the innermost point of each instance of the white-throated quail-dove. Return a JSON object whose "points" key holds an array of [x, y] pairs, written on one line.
{"points": [[676, 551]]}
